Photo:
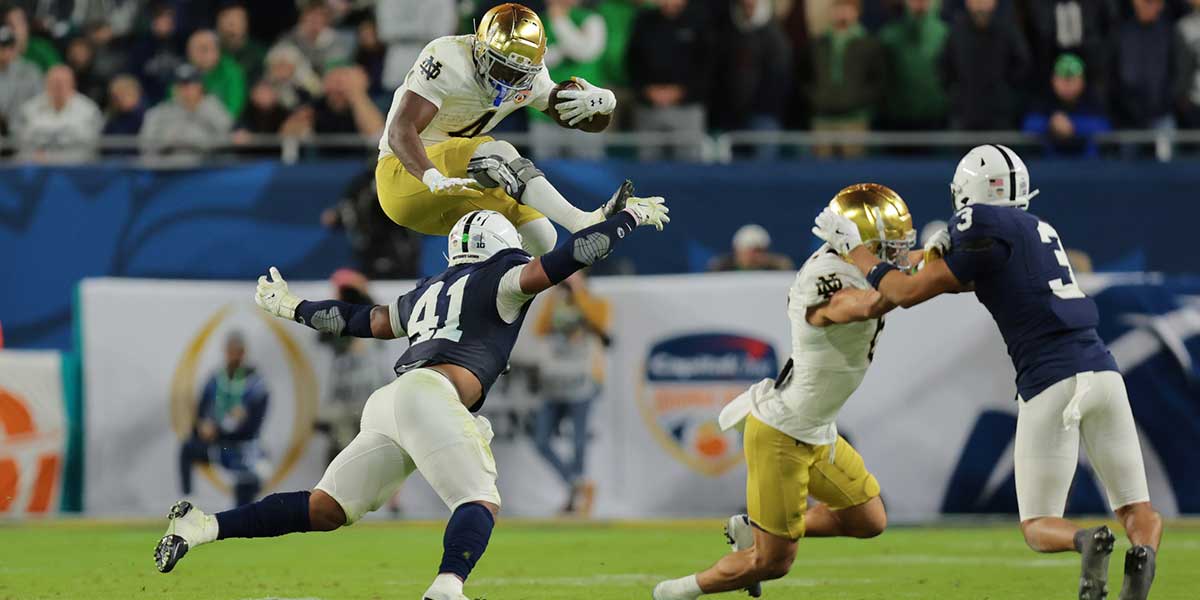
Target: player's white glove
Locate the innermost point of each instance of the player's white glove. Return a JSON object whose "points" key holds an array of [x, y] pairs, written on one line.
{"points": [[585, 103], [459, 186], [273, 296], [839, 231], [648, 211], [937, 245]]}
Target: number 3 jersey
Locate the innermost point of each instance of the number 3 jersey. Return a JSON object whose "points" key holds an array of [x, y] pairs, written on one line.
{"points": [[444, 74], [455, 318], [1022, 276], [827, 363]]}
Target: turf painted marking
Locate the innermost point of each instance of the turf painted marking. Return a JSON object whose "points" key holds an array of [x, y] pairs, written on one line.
{"points": [[628, 579]]}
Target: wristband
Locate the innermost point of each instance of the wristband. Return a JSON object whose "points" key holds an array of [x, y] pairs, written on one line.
{"points": [[878, 272]]}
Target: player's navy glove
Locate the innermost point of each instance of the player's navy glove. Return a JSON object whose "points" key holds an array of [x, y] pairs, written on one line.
{"points": [[649, 211], [273, 296], [458, 186], [584, 103], [841, 233]]}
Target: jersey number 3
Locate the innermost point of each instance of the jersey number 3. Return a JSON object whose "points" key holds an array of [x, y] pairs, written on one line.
{"points": [[424, 322], [1066, 290]]}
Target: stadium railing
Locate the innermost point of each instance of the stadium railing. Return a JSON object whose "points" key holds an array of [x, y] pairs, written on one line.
{"points": [[720, 147]]}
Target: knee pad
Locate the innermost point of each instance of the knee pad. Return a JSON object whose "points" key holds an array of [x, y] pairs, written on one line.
{"points": [[493, 171]]}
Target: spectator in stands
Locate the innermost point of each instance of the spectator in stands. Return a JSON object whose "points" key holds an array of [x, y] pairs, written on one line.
{"points": [[1081, 27], [229, 419], [60, 124], [20, 80], [669, 58], [751, 252], [81, 59], [1189, 67], [292, 77], [156, 55], [223, 78], [405, 36], [914, 43], [108, 58], [383, 250], [574, 323], [985, 62], [371, 55], [320, 44], [264, 115], [125, 107], [1071, 117], [35, 49], [759, 65], [233, 28], [189, 124], [1145, 86], [575, 44], [346, 107], [848, 77]]}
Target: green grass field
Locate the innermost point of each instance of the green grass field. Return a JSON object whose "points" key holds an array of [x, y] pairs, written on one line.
{"points": [[532, 560]]}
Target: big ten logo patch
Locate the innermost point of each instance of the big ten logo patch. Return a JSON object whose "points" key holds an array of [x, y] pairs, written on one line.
{"points": [[686, 382], [30, 457]]}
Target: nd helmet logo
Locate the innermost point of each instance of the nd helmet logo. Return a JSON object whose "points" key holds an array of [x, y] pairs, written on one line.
{"points": [[687, 380]]}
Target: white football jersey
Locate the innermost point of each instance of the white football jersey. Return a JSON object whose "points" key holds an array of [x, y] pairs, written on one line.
{"points": [[828, 363], [444, 74]]}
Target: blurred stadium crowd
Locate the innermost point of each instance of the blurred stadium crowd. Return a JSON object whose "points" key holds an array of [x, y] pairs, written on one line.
{"points": [[188, 76]]}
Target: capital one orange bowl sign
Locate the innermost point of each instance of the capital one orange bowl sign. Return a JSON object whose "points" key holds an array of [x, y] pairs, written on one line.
{"points": [[31, 433]]}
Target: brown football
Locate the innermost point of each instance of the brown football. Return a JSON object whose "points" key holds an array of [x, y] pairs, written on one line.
{"points": [[594, 124]]}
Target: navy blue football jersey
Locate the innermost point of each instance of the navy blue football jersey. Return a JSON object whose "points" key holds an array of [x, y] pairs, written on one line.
{"points": [[1021, 274], [452, 318]]}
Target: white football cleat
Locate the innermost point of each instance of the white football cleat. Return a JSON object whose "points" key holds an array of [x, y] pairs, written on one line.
{"points": [[740, 535], [187, 527]]}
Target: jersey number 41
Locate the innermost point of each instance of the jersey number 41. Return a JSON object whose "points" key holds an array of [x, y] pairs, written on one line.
{"points": [[424, 322]]}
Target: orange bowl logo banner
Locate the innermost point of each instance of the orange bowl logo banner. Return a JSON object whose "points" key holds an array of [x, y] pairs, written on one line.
{"points": [[687, 380], [31, 433]]}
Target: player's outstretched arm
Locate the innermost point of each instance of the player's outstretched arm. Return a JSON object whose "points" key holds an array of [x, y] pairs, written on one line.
{"points": [[404, 138], [591, 245], [849, 305], [329, 316]]}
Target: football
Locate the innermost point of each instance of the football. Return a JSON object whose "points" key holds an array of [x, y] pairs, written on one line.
{"points": [[593, 124]]}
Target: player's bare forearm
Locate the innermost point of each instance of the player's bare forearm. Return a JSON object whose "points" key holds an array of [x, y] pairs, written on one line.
{"points": [[404, 136], [849, 305], [909, 290]]}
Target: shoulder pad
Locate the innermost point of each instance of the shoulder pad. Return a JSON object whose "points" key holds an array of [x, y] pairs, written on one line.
{"points": [[822, 277]]}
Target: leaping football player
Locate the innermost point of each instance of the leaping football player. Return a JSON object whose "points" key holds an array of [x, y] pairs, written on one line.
{"points": [[791, 440], [435, 163], [1069, 387], [461, 326]]}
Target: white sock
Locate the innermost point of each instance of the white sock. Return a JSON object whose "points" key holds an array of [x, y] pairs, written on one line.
{"points": [[538, 236], [684, 588], [542, 197], [446, 583]]}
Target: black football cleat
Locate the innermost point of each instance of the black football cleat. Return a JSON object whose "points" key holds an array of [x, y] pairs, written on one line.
{"points": [[171, 548], [1139, 573], [1097, 547], [619, 198]]}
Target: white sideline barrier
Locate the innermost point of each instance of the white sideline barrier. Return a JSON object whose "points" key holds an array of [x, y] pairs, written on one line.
{"points": [[936, 368]]}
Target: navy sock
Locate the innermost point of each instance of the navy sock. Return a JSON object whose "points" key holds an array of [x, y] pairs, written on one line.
{"points": [[274, 515], [466, 538]]}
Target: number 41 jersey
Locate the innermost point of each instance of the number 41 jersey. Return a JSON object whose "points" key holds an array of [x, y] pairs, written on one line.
{"points": [[1022, 276], [453, 318]]}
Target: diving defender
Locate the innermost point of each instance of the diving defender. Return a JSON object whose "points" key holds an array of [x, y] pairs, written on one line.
{"points": [[461, 326]]}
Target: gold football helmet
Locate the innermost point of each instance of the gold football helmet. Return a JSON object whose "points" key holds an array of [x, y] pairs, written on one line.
{"points": [[509, 46], [882, 218]]}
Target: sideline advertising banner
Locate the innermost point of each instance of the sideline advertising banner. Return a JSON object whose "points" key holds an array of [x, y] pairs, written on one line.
{"points": [[32, 433], [934, 419]]}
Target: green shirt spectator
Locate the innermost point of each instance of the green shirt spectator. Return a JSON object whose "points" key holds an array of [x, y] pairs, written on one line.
{"points": [[913, 44], [233, 30], [618, 19], [222, 77], [34, 49], [575, 40]]}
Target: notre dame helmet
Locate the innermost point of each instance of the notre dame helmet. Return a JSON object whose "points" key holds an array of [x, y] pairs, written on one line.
{"points": [[509, 46], [882, 218]]}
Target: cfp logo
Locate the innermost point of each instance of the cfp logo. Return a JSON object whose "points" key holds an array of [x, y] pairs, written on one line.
{"points": [[431, 68], [828, 285]]}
